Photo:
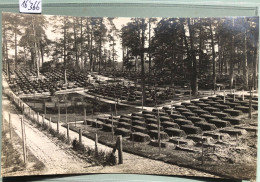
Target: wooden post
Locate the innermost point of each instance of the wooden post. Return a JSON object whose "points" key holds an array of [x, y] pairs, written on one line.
{"points": [[10, 126], [224, 96], [33, 119], [250, 105], [234, 96], [58, 126], [202, 151], [96, 142], [45, 107], [171, 107], [23, 141], [80, 136], [115, 109], [38, 119], [142, 102], [43, 117], [120, 150], [29, 112], [235, 83], [66, 117], [58, 111], [133, 141], [75, 118], [84, 114], [190, 93], [50, 123], [243, 96], [68, 129], [159, 131], [112, 129]]}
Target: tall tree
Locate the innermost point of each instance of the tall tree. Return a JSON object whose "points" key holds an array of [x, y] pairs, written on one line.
{"points": [[213, 54]]}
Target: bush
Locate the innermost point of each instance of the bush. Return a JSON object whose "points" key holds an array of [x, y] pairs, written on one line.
{"points": [[45, 126], [39, 166], [79, 147], [99, 157], [62, 137], [53, 132], [111, 159]]}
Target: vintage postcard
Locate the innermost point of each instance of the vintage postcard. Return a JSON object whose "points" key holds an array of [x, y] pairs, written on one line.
{"points": [[168, 96]]}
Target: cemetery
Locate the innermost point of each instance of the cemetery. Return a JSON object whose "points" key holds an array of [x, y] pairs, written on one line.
{"points": [[183, 95], [197, 128]]}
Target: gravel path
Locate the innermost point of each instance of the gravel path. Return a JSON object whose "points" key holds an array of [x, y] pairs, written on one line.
{"points": [[55, 158]]}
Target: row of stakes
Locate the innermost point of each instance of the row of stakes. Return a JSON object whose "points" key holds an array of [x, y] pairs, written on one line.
{"points": [[27, 111]]}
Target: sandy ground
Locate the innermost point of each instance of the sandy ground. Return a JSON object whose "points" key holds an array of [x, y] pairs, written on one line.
{"points": [[55, 158]]}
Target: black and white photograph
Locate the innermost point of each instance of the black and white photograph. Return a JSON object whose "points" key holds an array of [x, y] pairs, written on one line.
{"points": [[133, 95]]}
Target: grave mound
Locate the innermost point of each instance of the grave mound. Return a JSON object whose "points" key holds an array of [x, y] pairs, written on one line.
{"points": [[140, 137]]}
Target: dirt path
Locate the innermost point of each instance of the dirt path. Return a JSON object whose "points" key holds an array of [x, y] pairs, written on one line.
{"points": [[55, 158]]}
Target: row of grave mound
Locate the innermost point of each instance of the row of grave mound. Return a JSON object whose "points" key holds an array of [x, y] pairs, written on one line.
{"points": [[208, 117]]}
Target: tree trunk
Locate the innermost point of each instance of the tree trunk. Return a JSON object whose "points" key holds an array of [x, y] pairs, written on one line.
{"points": [[75, 44], [35, 50], [42, 52], [100, 45], [194, 79], [255, 61], [15, 45], [200, 50], [245, 67], [123, 57], [219, 56], [5, 53], [32, 62], [113, 53], [81, 40], [64, 45], [91, 48], [149, 48], [142, 62], [213, 58], [135, 63], [188, 51], [231, 65]]}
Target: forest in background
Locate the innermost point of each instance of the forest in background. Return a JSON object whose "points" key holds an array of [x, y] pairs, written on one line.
{"points": [[193, 49]]}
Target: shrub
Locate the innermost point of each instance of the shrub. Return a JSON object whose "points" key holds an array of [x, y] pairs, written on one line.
{"points": [[53, 132], [15, 168], [39, 166], [79, 147], [62, 137], [111, 159], [45, 126]]}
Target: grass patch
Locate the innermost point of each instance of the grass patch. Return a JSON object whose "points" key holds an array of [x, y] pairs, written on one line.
{"points": [[10, 156]]}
